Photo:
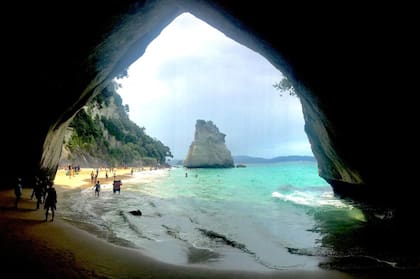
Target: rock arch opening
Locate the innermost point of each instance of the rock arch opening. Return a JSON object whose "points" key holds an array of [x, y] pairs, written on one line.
{"points": [[192, 71], [319, 61], [208, 196], [355, 131]]}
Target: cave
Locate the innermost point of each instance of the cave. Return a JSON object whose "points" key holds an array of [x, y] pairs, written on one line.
{"points": [[349, 65]]}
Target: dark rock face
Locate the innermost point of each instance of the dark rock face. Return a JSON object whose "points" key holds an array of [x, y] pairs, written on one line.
{"points": [[208, 150], [347, 65], [135, 212]]}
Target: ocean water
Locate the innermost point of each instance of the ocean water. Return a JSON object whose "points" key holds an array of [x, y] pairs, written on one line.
{"points": [[261, 217]]}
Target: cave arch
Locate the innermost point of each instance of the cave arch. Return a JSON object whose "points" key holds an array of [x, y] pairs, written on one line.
{"points": [[55, 71]]}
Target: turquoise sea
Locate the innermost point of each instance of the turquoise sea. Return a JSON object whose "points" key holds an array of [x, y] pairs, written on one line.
{"points": [[261, 217]]}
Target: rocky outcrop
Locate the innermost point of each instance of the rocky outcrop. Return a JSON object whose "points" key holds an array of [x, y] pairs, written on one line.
{"points": [[208, 150]]}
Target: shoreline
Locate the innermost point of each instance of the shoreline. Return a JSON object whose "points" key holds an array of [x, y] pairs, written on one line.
{"points": [[83, 180], [61, 250]]}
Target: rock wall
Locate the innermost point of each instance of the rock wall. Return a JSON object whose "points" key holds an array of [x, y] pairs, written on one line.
{"points": [[208, 150]]}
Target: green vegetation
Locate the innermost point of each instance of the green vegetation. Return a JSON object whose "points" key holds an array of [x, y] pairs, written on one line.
{"points": [[284, 85], [102, 132]]}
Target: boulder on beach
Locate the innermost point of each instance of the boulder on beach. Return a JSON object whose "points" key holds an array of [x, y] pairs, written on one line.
{"points": [[135, 212]]}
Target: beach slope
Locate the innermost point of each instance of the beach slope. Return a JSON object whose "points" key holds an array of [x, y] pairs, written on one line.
{"points": [[31, 247]]}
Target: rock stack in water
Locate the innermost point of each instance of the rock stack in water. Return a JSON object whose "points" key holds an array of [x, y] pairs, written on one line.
{"points": [[208, 150]]}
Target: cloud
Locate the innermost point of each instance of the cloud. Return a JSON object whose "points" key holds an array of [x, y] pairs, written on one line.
{"points": [[192, 71]]}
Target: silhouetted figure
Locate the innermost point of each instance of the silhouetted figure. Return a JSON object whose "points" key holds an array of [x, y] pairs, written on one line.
{"points": [[97, 188], [18, 191], [38, 192], [44, 186], [50, 201], [37, 182]]}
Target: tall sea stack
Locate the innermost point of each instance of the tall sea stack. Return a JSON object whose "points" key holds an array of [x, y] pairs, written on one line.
{"points": [[208, 150]]}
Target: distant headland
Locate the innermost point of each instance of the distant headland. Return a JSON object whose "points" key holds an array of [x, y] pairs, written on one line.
{"points": [[244, 159]]}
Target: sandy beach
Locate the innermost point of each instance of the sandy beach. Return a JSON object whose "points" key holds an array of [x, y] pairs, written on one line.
{"points": [[32, 247]]}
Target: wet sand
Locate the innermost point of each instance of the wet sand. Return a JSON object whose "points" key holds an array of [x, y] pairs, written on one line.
{"points": [[29, 246]]}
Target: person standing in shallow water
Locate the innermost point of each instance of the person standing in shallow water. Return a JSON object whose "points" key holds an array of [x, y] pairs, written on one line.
{"points": [[50, 201], [97, 188]]}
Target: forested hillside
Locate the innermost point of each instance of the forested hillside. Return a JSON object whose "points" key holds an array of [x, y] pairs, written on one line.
{"points": [[102, 135]]}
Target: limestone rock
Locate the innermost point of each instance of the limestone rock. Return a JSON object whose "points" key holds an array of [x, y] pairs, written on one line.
{"points": [[208, 150]]}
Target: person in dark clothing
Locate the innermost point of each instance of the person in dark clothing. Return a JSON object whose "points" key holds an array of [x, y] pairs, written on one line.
{"points": [[38, 195], [18, 191], [50, 201], [36, 183], [97, 188]]}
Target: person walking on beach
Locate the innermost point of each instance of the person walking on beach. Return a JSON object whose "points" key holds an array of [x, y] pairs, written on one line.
{"points": [[44, 185], [38, 192], [97, 188], [36, 183], [18, 191], [50, 201]]}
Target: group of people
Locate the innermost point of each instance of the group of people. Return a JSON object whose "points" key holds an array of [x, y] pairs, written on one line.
{"points": [[43, 191], [116, 187], [94, 175], [39, 190]]}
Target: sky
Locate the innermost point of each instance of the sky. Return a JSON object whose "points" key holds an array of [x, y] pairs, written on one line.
{"points": [[192, 71]]}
